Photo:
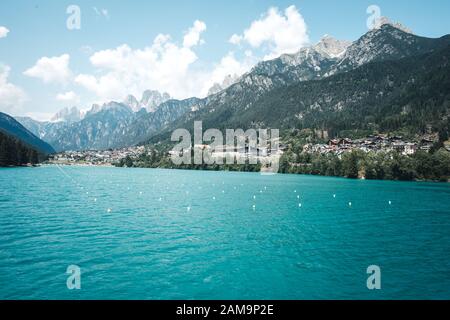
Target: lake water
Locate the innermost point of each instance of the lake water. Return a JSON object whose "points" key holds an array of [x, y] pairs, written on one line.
{"points": [[171, 234]]}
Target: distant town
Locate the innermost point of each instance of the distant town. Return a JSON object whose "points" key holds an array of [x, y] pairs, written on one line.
{"points": [[374, 143], [96, 157]]}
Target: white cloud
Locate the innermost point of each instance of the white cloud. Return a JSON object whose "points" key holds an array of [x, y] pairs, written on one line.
{"points": [[277, 32], [3, 32], [192, 37], [235, 39], [11, 96], [55, 69], [228, 66], [163, 66], [69, 96]]}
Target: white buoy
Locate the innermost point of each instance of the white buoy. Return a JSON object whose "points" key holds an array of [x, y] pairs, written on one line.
{"points": [[140, 192], [214, 198], [254, 197], [254, 207], [349, 204], [334, 196], [390, 202], [95, 199], [188, 208], [299, 205], [160, 199], [295, 191], [298, 197], [109, 210]]}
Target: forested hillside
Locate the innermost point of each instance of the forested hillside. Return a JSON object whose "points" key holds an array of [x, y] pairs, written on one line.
{"points": [[15, 153]]}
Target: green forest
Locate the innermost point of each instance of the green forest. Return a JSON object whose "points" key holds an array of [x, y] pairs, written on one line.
{"points": [[15, 153], [372, 166], [422, 166]]}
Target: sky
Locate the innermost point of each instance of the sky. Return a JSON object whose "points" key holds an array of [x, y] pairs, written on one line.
{"points": [[57, 54]]}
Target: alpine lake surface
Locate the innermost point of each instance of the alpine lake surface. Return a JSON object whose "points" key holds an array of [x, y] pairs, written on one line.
{"points": [[175, 234]]}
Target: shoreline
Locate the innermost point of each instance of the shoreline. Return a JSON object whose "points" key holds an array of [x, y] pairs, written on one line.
{"points": [[212, 170], [79, 165]]}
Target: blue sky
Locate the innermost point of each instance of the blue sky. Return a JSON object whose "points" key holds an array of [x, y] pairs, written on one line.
{"points": [[109, 56]]}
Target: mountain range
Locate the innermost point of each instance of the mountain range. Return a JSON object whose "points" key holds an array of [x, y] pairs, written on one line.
{"points": [[12, 128], [386, 80], [388, 86]]}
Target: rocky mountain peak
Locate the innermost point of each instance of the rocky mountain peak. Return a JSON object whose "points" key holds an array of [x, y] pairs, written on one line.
{"points": [[151, 99], [228, 81], [332, 47], [132, 102], [386, 42], [382, 21], [67, 115]]}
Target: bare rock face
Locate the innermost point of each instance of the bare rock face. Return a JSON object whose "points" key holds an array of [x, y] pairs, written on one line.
{"points": [[151, 99], [67, 115], [387, 42], [228, 81], [385, 20]]}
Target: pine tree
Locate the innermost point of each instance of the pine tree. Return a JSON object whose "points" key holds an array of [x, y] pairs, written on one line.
{"points": [[3, 151], [15, 153], [350, 165], [34, 157]]}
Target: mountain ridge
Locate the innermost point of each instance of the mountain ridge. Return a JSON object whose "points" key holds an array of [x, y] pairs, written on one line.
{"points": [[329, 57], [12, 127], [216, 112]]}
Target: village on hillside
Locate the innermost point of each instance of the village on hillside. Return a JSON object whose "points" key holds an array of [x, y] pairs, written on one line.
{"points": [[95, 157], [373, 143]]}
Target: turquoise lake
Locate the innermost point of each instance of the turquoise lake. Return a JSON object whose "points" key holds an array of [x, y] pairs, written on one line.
{"points": [[173, 234]]}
